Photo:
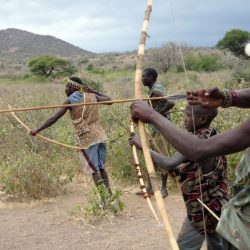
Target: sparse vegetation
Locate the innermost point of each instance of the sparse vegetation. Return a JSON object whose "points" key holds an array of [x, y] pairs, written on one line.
{"points": [[32, 168]]}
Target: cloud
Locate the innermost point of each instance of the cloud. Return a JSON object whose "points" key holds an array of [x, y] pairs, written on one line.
{"points": [[115, 25]]}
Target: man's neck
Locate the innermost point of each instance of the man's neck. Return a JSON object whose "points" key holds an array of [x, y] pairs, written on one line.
{"points": [[151, 85]]}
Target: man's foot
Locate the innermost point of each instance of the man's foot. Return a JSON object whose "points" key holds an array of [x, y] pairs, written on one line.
{"points": [[102, 203], [149, 191], [164, 192]]}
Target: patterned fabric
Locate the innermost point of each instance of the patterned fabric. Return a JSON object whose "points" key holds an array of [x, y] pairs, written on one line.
{"points": [[210, 188], [234, 224], [86, 121]]}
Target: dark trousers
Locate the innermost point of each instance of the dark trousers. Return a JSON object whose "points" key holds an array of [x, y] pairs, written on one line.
{"points": [[190, 238]]}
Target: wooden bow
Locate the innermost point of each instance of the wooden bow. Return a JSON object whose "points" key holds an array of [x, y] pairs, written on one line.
{"points": [[139, 174], [142, 132], [44, 137]]}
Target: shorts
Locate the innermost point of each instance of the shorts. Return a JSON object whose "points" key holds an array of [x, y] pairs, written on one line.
{"points": [[95, 156]]}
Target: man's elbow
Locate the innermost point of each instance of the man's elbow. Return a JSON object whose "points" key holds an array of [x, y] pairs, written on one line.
{"points": [[109, 100], [196, 155]]}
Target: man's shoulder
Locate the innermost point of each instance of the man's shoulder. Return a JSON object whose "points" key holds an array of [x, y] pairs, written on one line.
{"points": [[158, 87], [76, 97]]}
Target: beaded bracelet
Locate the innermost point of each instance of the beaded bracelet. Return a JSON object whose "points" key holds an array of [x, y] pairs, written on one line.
{"points": [[234, 97], [231, 98], [228, 98]]}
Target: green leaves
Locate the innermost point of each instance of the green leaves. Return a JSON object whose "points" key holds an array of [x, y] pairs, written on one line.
{"points": [[48, 65], [235, 41]]}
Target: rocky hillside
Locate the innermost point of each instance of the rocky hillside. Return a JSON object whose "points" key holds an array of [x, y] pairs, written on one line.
{"points": [[22, 45]]}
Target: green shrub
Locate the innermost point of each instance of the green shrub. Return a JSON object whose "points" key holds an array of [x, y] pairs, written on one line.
{"points": [[97, 210], [28, 175], [30, 167], [201, 63]]}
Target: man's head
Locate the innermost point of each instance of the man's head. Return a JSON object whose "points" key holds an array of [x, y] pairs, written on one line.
{"points": [[73, 84], [197, 117], [149, 77]]}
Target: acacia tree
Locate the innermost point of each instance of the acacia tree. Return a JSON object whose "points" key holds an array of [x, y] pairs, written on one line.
{"points": [[48, 65], [235, 41]]}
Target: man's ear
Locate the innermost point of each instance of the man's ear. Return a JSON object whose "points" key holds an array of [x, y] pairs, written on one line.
{"points": [[204, 119]]}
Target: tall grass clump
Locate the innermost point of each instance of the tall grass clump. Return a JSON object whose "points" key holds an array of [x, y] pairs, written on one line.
{"points": [[30, 167]]}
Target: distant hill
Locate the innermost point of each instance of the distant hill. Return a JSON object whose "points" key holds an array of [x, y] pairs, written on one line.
{"points": [[22, 45]]}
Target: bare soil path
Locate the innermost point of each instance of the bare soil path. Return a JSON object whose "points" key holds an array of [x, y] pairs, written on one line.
{"points": [[48, 224]]}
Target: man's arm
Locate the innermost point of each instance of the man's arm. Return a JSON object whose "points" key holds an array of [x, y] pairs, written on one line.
{"points": [[51, 120], [167, 105], [103, 98], [192, 147], [166, 163], [216, 98], [99, 96]]}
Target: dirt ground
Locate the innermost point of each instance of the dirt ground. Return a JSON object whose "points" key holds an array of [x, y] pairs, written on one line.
{"points": [[48, 224]]}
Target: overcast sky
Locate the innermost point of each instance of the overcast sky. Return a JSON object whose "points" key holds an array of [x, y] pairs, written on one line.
{"points": [[115, 25]]}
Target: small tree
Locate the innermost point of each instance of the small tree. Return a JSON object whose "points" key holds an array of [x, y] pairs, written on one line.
{"points": [[235, 41], [48, 65], [165, 57]]}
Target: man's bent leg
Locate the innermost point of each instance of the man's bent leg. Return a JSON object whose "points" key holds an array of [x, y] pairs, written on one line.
{"points": [[189, 238], [102, 152], [97, 178], [105, 177]]}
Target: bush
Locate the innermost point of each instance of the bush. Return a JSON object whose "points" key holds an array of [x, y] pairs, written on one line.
{"points": [[30, 167], [30, 176], [95, 211], [94, 84], [202, 63]]}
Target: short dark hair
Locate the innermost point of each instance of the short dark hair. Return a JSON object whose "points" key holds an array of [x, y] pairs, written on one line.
{"points": [[151, 72], [76, 79], [211, 113]]}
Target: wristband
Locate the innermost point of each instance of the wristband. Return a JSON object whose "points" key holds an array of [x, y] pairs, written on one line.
{"points": [[234, 97], [231, 98], [228, 98]]}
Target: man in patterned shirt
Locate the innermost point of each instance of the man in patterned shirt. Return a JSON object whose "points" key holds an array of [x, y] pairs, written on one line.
{"points": [[205, 180]]}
